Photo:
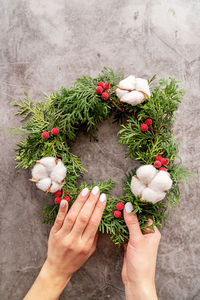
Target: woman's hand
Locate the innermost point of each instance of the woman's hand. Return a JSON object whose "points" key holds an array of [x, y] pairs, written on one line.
{"points": [[140, 255], [72, 241]]}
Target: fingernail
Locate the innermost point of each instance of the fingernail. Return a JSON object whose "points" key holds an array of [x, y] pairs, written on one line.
{"points": [[95, 190], [62, 203], [102, 198], [84, 192], [128, 207]]}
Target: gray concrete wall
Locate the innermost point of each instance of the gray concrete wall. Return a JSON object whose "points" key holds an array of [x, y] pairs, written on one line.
{"points": [[47, 44]]}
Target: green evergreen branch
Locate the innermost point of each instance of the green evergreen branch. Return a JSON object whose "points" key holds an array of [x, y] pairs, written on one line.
{"points": [[24, 107]]}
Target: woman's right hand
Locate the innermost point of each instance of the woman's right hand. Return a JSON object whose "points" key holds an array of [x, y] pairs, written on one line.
{"points": [[140, 255]]}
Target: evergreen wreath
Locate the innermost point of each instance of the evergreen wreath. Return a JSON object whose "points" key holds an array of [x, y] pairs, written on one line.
{"points": [[146, 131]]}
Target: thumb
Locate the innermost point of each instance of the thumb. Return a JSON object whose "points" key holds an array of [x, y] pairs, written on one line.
{"points": [[132, 222]]}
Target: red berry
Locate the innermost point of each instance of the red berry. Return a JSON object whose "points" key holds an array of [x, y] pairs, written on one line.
{"points": [[99, 90], [163, 169], [55, 131], [148, 122], [57, 200], [144, 127], [101, 83], [66, 198], [157, 164], [104, 96], [117, 214], [45, 135], [159, 157], [58, 193], [106, 85], [120, 206], [164, 161]]}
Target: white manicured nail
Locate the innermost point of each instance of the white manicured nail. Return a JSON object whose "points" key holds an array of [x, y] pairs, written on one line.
{"points": [[128, 207], [102, 198], [62, 203], [95, 190], [84, 192]]}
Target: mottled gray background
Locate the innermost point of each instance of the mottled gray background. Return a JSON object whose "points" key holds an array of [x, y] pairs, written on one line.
{"points": [[47, 44]]}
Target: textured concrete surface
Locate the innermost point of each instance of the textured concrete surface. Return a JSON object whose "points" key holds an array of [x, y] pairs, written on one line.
{"points": [[47, 44]]}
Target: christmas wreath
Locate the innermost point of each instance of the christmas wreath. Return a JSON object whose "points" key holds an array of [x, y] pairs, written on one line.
{"points": [[146, 113]]}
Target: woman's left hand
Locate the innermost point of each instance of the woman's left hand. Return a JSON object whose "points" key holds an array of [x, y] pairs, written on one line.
{"points": [[72, 241]]}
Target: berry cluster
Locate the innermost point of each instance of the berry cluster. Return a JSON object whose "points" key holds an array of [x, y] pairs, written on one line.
{"points": [[54, 131], [145, 125], [117, 212], [102, 89], [159, 161], [58, 198]]}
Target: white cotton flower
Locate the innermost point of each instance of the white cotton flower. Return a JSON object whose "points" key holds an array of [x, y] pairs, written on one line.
{"points": [[133, 98], [48, 162], [149, 184], [128, 83], [44, 184], [59, 172], [142, 85], [152, 196], [137, 186], [146, 173], [120, 93], [55, 187], [161, 182], [133, 90], [49, 174], [39, 171]]}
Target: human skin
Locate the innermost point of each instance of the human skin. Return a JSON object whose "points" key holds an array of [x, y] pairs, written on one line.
{"points": [[138, 271], [73, 240]]}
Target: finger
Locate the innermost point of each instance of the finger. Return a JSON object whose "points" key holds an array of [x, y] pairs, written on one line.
{"points": [[74, 210], [132, 222], [95, 218], [86, 212], [60, 216]]}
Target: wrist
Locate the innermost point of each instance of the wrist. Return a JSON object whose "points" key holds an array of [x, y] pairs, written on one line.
{"points": [[49, 284], [53, 277], [141, 291]]}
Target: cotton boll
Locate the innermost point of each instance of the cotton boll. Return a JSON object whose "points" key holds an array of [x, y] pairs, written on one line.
{"points": [[133, 90], [152, 196], [39, 171], [59, 172], [128, 83], [49, 163], [120, 93], [50, 173], [55, 187], [161, 182], [44, 184], [146, 173], [132, 98], [142, 85], [136, 186]]}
